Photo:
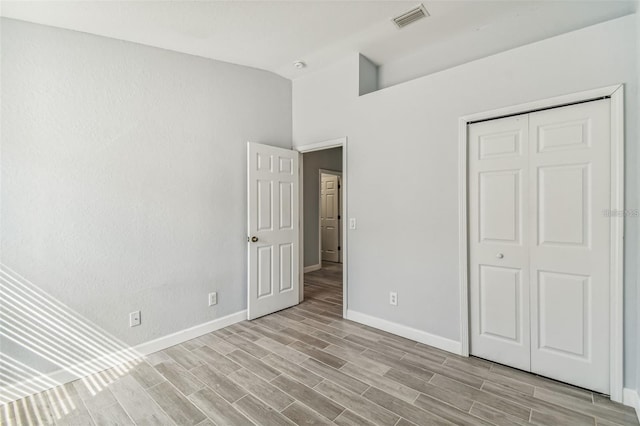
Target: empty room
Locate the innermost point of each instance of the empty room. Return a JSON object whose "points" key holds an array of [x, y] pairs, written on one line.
{"points": [[320, 212]]}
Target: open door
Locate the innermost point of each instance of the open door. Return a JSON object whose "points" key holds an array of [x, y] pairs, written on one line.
{"points": [[273, 179]]}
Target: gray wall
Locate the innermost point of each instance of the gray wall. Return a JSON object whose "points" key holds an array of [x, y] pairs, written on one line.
{"points": [[328, 159], [637, 330], [367, 76], [124, 176], [411, 132]]}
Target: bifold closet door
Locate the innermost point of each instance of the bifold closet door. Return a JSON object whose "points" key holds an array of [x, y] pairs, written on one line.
{"points": [[499, 241], [539, 242], [569, 178]]}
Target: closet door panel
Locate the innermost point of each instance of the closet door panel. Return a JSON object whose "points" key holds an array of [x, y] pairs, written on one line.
{"points": [[569, 187], [498, 243]]}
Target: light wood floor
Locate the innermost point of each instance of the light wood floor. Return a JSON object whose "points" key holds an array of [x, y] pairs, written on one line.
{"points": [[306, 366]]}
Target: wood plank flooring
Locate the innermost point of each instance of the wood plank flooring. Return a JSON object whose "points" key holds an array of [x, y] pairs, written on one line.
{"points": [[308, 366]]}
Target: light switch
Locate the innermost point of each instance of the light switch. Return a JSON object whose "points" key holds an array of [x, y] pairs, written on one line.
{"points": [[213, 298]]}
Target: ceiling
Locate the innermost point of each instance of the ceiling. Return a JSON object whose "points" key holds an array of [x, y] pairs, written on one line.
{"points": [[271, 35]]}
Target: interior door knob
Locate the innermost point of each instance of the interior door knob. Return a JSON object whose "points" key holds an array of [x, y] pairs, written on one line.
{"points": [[499, 255], [254, 239]]}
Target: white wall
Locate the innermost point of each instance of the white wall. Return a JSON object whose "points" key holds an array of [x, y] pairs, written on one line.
{"points": [[407, 236], [328, 159], [513, 30], [123, 176]]}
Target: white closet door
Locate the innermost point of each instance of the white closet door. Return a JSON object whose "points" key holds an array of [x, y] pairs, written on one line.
{"points": [[569, 181], [499, 241]]}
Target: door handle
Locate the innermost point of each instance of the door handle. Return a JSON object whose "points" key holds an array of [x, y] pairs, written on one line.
{"points": [[499, 255], [252, 239]]}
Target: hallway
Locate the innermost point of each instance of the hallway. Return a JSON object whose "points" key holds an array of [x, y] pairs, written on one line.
{"points": [[325, 284]]}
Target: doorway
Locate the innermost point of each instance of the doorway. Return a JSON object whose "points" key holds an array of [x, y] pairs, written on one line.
{"points": [[276, 226], [323, 210]]}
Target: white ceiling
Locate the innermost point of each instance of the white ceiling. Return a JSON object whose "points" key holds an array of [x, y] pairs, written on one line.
{"points": [[272, 34]]}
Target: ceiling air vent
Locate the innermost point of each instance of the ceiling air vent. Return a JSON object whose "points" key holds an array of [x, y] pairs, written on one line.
{"points": [[411, 16]]}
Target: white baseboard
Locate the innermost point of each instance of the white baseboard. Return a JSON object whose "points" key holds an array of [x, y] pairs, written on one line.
{"points": [[189, 333], [312, 268], [62, 376], [631, 398], [405, 331]]}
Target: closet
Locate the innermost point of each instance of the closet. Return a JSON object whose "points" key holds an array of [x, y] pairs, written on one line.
{"points": [[539, 237]]}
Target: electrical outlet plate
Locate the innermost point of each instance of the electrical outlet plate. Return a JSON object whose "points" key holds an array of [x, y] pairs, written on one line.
{"points": [[213, 298], [393, 298], [134, 319]]}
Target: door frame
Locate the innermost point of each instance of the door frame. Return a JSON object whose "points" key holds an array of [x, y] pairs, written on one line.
{"points": [[319, 146], [616, 94], [334, 173]]}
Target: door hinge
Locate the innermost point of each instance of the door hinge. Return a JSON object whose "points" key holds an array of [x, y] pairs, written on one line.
{"points": [[339, 248], [338, 217]]}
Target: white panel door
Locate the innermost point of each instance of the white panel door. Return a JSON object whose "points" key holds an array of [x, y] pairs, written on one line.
{"points": [[539, 255], [330, 217], [498, 241], [569, 179], [273, 229]]}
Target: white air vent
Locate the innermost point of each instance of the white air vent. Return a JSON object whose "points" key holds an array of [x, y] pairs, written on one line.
{"points": [[411, 16]]}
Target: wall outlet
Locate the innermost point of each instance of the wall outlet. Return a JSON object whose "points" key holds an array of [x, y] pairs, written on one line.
{"points": [[213, 298], [134, 319], [393, 298], [352, 223]]}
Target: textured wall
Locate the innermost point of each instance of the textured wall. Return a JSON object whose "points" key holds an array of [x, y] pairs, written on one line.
{"points": [[124, 176], [637, 176], [328, 159], [410, 131]]}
